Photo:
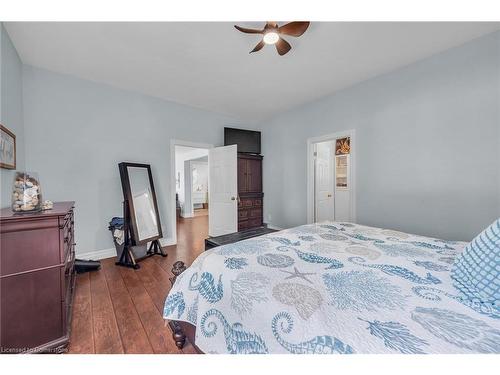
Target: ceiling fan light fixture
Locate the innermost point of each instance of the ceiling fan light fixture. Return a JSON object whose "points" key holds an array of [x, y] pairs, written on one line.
{"points": [[271, 34], [271, 37]]}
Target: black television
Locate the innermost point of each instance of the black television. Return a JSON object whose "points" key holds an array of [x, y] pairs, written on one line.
{"points": [[248, 141]]}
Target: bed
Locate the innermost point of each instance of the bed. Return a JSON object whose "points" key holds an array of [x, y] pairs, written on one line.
{"points": [[329, 288]]}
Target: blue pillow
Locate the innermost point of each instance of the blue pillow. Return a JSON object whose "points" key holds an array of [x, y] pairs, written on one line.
{"points": [[476, 271]]}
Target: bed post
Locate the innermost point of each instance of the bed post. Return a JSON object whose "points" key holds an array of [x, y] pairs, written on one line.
{"points": [[177, 332]]}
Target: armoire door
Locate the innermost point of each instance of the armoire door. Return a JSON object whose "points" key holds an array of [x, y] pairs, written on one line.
{"points": [[242, 175], [254, 175]]}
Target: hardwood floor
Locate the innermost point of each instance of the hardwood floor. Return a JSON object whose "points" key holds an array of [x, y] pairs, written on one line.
{"points": [[201, 212], [119, 310]]}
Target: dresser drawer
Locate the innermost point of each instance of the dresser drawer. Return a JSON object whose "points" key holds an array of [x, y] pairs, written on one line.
{"points": [[37, 277], [68, 243], [31, 309], [66, 220], [66, 273], [68, 235], [68, 282], [66, 305], [25, 250]]}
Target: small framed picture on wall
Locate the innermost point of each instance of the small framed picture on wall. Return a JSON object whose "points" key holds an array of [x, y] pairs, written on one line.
{"points": [[7, 148]]}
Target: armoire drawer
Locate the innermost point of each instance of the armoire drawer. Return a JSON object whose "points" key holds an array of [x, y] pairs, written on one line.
{"points": [[255, 213], [247, 202], [255, 222], [243, 224], [251, 202]]}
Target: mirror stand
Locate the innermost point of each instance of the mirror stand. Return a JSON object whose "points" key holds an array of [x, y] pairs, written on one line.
{"points": [[127, 259]]}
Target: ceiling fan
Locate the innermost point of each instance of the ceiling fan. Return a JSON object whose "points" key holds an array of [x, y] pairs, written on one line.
{"points": [[272, 34]]}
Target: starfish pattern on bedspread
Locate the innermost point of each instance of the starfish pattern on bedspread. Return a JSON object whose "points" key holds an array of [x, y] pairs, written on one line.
{"points": [[297, 273]]}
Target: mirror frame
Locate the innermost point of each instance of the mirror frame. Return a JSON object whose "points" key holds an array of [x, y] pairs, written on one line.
{"points": [[127, 196]]}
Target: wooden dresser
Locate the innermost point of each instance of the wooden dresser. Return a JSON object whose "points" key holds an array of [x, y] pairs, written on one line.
{"points": [[251, 197], [37, 279]]}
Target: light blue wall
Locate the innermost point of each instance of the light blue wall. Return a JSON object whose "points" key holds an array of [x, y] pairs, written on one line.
{"points": [[428, 159], [428, 143], [11, 112], [78, 131]]}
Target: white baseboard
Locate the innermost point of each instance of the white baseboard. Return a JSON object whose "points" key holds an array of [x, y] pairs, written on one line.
{"points": [[270, 226], [167, 241], [97, 254], [111, 253]]}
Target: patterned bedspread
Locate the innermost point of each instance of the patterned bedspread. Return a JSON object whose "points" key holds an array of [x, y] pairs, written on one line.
{"points": [[332, 288]]}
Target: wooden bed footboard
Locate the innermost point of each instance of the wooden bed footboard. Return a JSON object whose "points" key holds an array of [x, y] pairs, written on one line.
{"points": [[182, 332]]}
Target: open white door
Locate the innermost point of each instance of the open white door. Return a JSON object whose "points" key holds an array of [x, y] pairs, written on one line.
{"points": [[323, 169], [222, 191]]}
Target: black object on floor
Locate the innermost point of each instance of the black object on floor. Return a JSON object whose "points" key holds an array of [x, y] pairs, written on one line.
{"points": [[82, 266], [211, 242]]}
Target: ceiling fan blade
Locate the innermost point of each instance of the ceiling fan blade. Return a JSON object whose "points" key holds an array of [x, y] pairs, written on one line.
{"points": [[282, 46], [294, 28], [258, 47], [248, 31]]}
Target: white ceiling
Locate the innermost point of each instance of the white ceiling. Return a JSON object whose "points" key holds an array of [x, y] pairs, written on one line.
{"points": [[207, 65]]}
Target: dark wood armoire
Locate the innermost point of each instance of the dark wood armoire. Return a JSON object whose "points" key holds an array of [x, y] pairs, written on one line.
{"points": [[250, 194], [37, 278]]}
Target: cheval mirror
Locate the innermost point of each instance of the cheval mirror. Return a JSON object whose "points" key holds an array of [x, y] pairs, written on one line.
{"points": [[140, 212]]}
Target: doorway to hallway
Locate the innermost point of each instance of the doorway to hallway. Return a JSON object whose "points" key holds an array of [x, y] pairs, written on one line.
{"points": [[191, 195]]}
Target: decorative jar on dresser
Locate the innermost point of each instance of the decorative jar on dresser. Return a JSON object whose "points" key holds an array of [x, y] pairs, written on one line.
{"points": [[37, 279]]}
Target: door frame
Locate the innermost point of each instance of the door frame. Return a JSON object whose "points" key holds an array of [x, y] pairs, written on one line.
{"points": [[310, 170], [173, 143]]}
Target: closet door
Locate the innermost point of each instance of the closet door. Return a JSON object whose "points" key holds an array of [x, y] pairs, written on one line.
{"points": [[254, 175]]}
